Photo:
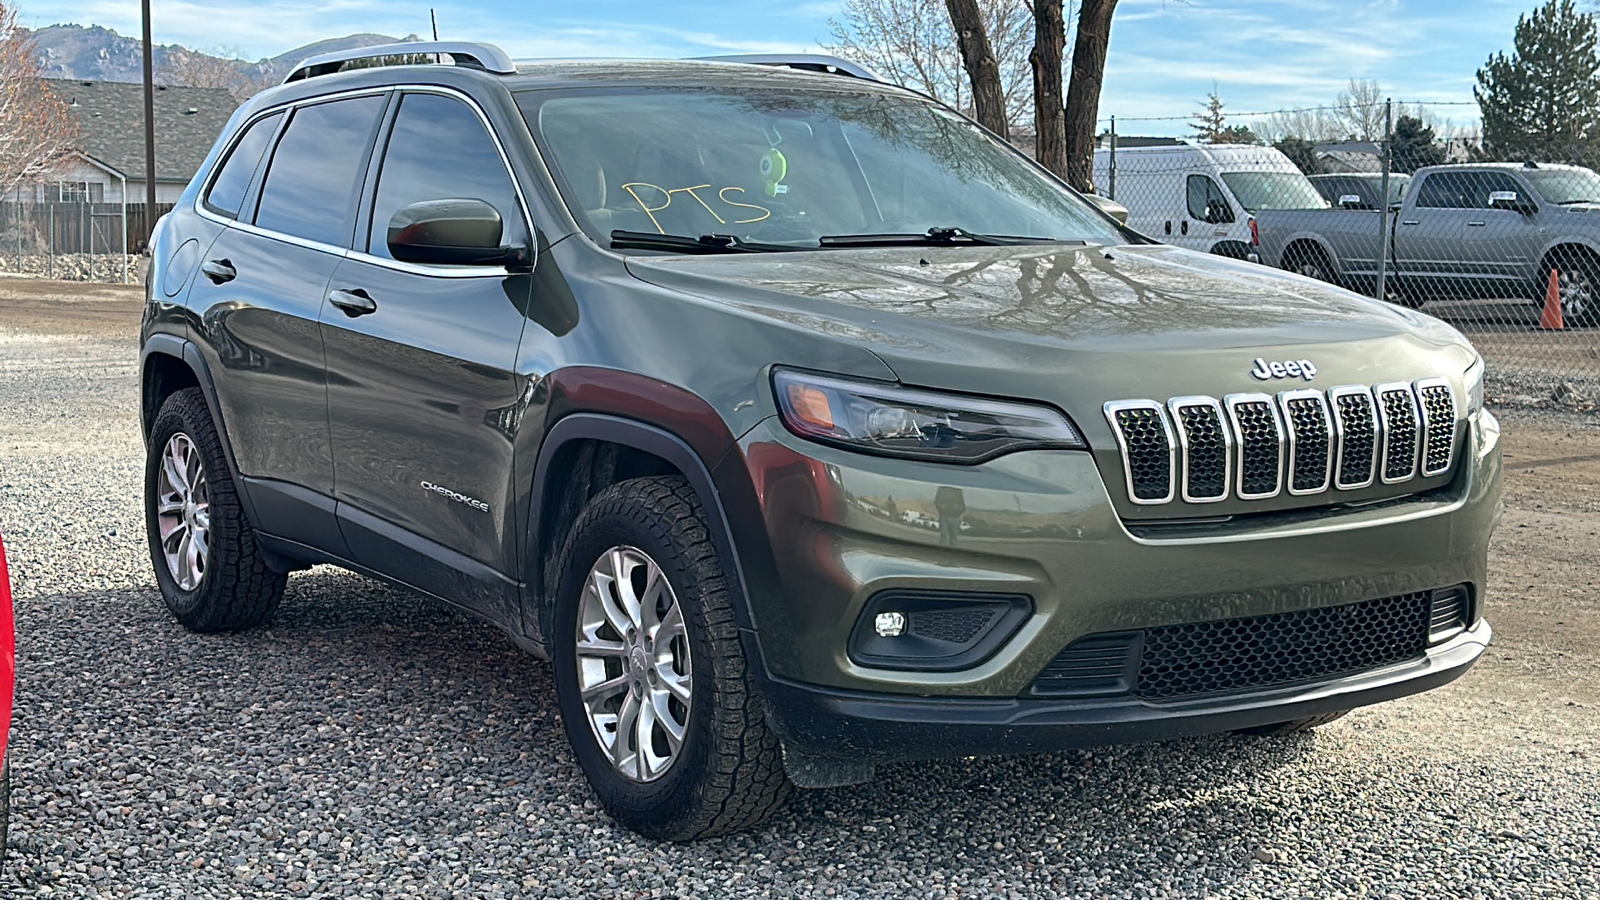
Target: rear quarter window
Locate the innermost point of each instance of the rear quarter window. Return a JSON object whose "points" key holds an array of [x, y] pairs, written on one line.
{"points": [[226, 195]]}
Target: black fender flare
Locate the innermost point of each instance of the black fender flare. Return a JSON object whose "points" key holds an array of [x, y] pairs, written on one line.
{"points": [[579, 426], [188, 353]]}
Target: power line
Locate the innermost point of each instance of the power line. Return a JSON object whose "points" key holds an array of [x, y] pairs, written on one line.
{"points": [[1275, 112]]}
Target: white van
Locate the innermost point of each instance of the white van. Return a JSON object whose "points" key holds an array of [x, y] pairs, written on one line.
{"points": [[1202, 196]]}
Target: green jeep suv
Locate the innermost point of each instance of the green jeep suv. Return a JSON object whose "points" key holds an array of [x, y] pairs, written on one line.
{"points": [[800, 423]]}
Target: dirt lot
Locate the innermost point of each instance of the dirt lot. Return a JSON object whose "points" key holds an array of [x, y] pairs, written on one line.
{"points": [[371, 743]]}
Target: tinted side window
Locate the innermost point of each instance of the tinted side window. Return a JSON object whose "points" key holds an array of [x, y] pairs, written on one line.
{"points": [[1448, 190], [1204, 194], [315, 174], [1489, 182], [233, 179], [439, 150]]}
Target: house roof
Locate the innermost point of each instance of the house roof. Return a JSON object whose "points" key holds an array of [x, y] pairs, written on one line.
{"points": [[110, 116]]}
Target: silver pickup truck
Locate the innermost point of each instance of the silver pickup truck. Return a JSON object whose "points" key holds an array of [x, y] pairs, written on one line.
{"points": [[1494, 230]]}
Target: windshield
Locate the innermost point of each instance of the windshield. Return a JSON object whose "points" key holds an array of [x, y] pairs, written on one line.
{"points": [[1273, 190], [791, 166], [1560, 186]]}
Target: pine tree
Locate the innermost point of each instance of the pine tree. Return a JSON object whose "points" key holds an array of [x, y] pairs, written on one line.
{"points": [[1413, 146], [1211, 122], [1543, 102]]}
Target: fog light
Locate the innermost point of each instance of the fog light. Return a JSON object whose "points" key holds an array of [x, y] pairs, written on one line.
{"points": [[889, 624], [934, 631]]}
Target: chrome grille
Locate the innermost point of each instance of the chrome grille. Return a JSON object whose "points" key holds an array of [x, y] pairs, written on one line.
{"points": [[1305, 418], [1438, 425], [1397, 410], [1356, 424], [1149, 453], [1256, 446], [1206, 447], [1259, 435]]}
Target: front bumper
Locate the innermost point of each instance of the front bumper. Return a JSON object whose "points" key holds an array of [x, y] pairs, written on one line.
{"points": [[843, 527], [851, 729]]}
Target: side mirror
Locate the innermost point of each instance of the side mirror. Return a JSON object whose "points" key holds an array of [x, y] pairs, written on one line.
{"points": [[1509, 200], [459, 232], [1350, 201], [1110, 207]]}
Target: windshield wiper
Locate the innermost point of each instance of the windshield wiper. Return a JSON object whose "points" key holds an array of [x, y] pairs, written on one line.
{"points": [[937, 236], [705, 243]]}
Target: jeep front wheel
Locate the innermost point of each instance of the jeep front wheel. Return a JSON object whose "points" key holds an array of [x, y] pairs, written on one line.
{"points": [[651, 676]]}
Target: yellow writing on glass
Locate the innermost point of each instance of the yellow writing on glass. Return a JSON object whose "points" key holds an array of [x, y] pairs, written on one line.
{"points": [[662, 199]]}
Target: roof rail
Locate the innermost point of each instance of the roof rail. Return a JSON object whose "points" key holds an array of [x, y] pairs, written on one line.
{"points": [[809, 62], [468, 54]]}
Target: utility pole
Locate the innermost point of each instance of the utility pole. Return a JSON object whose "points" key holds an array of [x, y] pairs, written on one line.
{"points": [[1383, 204], [149, 130]]}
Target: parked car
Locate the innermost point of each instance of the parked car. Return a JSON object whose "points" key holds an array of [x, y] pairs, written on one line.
{"points": [[1359, 190], [676, 371], [1461, 231], [1202, 196]]}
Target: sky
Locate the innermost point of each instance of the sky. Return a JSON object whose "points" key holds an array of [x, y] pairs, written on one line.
{"points": [[1165, 55]]}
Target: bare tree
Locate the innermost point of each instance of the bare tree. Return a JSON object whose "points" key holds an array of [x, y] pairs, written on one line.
{"points": [[1359, 111], [1049, 113], [36, 128], [977, 57], [913, 43], [223, 68], [1083, 91]]}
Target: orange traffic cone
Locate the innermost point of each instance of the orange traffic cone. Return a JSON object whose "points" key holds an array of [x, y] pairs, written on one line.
{"points": [[1550, 319]]}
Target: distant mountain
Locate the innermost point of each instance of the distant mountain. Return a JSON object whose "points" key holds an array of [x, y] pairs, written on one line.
{"points": [[93, 53]]}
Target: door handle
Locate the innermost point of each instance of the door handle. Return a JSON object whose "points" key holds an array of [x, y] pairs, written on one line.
{"points": [[1474, 224], [354, 303], [1185, 227], [1409, 222], [220, 271]]}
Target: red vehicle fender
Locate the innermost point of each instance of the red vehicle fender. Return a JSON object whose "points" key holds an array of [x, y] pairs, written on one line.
{"points": [[8, 651]]}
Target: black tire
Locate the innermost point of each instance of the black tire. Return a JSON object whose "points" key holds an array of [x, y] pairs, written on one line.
{"points": [[1580, 287], [1312, 263], [236, 589], [728, 773], [1294, 726]]}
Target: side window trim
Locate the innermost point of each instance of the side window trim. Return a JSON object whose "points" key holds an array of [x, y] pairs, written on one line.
{"points": [[369, 193], [388, 93], [253, 187], [246, 220]]}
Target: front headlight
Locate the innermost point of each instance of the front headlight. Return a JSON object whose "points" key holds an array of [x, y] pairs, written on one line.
{"points": [[1474, 384], [894, 421]]}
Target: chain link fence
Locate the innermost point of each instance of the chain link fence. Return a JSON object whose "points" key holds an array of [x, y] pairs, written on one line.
{"points": [[1506, 250], [73, 241]]}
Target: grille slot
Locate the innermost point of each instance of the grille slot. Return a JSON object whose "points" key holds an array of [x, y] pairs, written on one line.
{"points": [[1397, 410], [1148, 449], [1096, 666], [1260, 438], [1438, 406], [1263, 651], [1450, 615], [1310, 430], [1356, 420], [1206, 447]]}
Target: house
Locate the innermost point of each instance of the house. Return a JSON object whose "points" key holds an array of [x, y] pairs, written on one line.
{"points": [[110, 145]]}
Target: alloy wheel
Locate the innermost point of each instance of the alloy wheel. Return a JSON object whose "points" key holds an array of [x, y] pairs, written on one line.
{"points": [[1578, 298], [183, 512], [634, 671]]}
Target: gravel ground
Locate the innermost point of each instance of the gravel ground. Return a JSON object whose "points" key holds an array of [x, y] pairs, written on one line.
{"points": [[373, 743]]}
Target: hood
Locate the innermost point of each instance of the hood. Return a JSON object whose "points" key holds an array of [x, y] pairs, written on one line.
{"points": [[1074, 326]]}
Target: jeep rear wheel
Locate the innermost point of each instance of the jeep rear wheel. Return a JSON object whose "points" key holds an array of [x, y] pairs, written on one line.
{"points": [[208, 566], [650, 672]]}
